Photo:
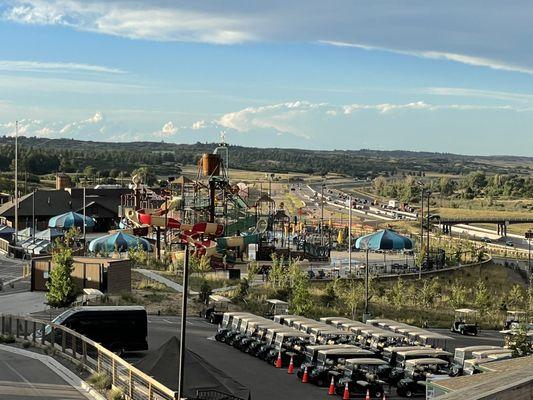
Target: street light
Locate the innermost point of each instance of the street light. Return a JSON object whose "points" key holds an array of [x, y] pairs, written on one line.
{"points": [[183, 320], [322, 213], [529, 235]]}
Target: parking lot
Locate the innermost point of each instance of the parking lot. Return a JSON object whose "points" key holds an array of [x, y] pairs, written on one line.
{"points": [[265, 381]]}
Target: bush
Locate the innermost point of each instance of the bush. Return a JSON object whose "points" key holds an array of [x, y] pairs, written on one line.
{"points": [[100, 381], [7, 339], [115, 394], [26, 344]]}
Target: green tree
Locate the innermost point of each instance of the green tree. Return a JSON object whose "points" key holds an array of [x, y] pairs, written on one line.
{"points": [[330, 295], [146, 174], [515, 298], [397, 294], [352, 296], [481, 297], [62, 290], [428, 293], [457, 295]]}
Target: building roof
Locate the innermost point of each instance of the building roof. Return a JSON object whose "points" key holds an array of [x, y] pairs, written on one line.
{"points": [[499, 376]]}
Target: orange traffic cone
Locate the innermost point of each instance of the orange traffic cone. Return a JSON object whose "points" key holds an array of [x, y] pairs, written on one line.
{"points": [[346, 394], [331, 390], [291, 366], [278, 361], [367, 397], [305, 378]]}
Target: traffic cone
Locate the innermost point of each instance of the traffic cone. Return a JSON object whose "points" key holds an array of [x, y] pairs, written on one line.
{"points": [[305, 378], [278, 361], [367, 397], [384, 396], [331, 390], [346, 394], [291, 366]]}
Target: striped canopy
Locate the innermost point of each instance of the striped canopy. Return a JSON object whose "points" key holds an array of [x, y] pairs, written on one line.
{"points": [[119, 241], [385, 239], [69, 220]]}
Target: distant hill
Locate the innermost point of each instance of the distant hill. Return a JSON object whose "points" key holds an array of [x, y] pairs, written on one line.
{"points": [[41, 156]]}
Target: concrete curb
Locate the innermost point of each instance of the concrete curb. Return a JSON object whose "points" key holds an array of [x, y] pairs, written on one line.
{"points": [[72, 379]]}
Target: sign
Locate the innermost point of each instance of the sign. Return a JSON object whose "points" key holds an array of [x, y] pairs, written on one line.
{"points": [[529, 235], [46, 275], [252, 251]]}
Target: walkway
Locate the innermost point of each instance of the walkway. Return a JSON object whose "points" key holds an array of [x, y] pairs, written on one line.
{"points": [[22, 303], [22, 377]]}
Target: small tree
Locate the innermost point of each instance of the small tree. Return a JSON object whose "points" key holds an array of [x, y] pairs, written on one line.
{"points": [[515, 298], [352, 296], [481, 296], [62, 291], [252, 270], [457, 295], [205, 292], [330, 296]]}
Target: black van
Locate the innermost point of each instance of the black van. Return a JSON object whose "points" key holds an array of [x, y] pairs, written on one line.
{"points": [[117, 328]]}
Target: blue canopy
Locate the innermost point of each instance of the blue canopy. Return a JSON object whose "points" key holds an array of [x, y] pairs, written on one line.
{"points": [[69, 220], [119, 241], [385, 239]]}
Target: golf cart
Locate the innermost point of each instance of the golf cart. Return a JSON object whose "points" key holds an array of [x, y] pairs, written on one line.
{"points": [[276, 307], [281, 318], [404, 356], [255, 332], [327, 361], [289, 343], [465, 353], [216, 308], [331, 336], [263, 350], [242, 331], [361, 374], [227, 325], [483, 357], [465, 322], [514, 319], [311, 354], [416, 372], [381, 340]]}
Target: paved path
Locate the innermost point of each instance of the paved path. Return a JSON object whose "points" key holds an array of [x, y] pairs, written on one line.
{"points": [[22, 303], [25, 378], [10, 268]]}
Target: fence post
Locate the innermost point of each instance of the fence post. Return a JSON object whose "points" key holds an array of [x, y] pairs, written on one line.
{"points": [[131, 384], [17, 327], [43, 330], [34, 336], [74, 347], [113, 370], [84, 352], [3, 324], [25, 329], [63, 340]]}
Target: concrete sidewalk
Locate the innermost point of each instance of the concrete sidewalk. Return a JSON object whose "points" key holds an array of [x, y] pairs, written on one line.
{"points": [[22, 303], [23, 377]]}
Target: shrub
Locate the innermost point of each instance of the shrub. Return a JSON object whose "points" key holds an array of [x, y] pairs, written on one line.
{"points": [[100, 381], [26, 344], [7, 339], [115, 394]]}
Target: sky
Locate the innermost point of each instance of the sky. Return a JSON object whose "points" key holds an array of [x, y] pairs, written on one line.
{"points": [[421, 75]]}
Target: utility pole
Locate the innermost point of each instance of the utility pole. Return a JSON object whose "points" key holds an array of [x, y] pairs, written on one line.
{"points": [[529, 235], [16, 182], [421, 230], [350, 234], [33, 215]]}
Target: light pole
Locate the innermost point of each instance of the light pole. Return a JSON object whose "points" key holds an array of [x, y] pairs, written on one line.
{"points": [[350, 234], [183, 321], [421, 184], [529, 235], [322, 213], [16, 182], [428, 193]]}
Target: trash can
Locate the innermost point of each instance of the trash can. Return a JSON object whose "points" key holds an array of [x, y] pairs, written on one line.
{"points": [[234, 273]]}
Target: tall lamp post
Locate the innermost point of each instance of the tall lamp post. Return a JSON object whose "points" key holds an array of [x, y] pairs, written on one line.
{"points": [[349, 233], [183, 321], [529, 236], [322, 213], [428, 193], [16, 182], [421, 184]]}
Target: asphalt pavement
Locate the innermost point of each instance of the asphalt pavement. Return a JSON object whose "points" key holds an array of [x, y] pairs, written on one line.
{"points": [[23, 378], [10, 268]]}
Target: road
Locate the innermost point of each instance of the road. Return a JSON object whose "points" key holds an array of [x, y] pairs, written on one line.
{"points": [[23, 378]]}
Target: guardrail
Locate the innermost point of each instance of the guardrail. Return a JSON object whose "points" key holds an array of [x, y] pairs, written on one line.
{"points": [[92, 356]]}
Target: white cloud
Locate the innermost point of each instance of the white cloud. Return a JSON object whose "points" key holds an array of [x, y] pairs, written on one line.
{"points": [[198, 125], [167, 130], [438, 55], [37, 66], [489, 94]]}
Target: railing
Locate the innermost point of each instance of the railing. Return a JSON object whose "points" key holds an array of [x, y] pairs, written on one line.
{"points": [[93, 357]]}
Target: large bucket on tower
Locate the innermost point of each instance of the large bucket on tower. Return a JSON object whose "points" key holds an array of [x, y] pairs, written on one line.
{"points": [[211, 164]]}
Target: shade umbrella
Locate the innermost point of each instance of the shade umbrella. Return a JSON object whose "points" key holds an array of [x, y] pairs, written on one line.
{"points": [[385, 239], [70, 220], [120, 242]]}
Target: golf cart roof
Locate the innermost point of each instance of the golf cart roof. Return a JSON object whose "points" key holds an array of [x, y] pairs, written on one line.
{"points": [[263, 324], [515, 312], [276, 301], [330, 346], [404, 348], [335, 332], [219, 299], [409, 329], [378, 321], [486, 353], [353, 324], [366, 361], [426, 361], [347, 351], [465, 311], [477, 348], [433, 335], [426, 350], [338, 320], [236, 314], [387, 334], [280, 328], [294, 333]]}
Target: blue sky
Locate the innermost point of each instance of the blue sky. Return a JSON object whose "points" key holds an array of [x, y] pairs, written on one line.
{"points": [[418, 75]]}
